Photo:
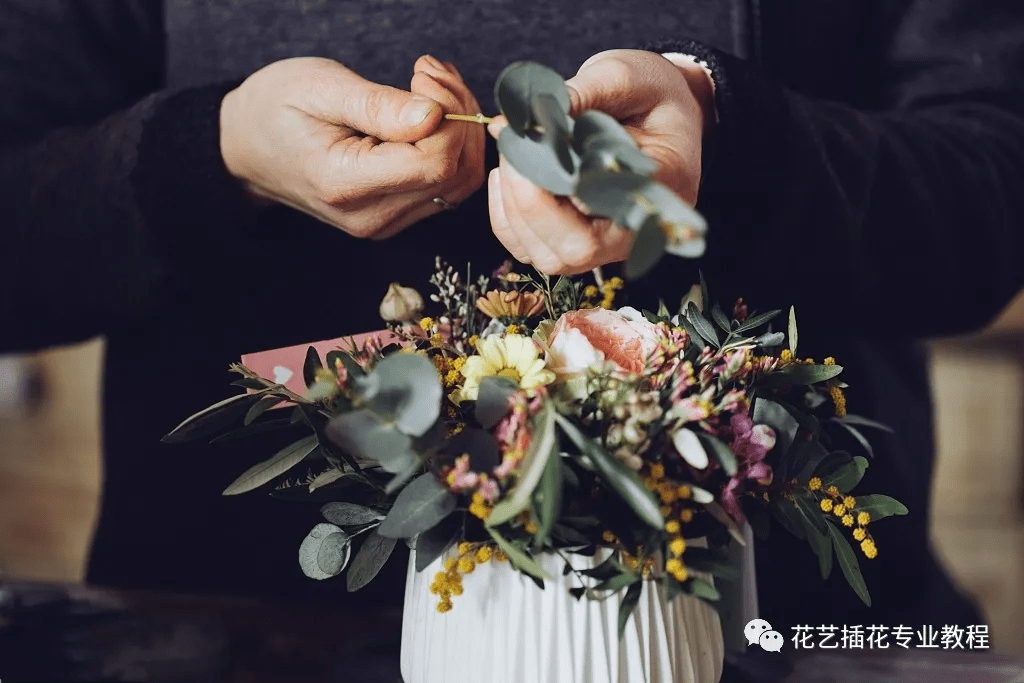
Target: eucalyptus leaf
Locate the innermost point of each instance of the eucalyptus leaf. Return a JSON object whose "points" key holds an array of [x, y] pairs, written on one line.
{"points": [[518, 558], [433, 542], [547, 112], [536, 162], [848, 563], [879, 506], [518, 84], [372, 555], [349, 514], [648, 248], [405, 388], [543, 446], [726, 458], [366, 435], [324, 552], [270, 469], [617, 476], [492, 403], [628, 604], [211, 420], [310, 366], [602, 142], [420, 506], [403, 477]]}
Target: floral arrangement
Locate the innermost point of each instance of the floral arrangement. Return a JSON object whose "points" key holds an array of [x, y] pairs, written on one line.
{"points": [[524, 415], [527, 416]]}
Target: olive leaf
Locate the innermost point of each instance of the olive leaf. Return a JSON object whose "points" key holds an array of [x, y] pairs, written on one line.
{"points": [[270, 469], [211, 420]]}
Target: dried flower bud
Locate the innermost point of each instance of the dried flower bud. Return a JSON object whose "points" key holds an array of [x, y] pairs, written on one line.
{"points": [[401, 304]]}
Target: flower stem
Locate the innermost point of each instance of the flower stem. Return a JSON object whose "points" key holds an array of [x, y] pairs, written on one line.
{"points": [[472, 118]]}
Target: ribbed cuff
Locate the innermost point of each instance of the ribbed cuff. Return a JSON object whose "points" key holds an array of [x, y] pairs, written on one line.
{"points": [[750, 136]]}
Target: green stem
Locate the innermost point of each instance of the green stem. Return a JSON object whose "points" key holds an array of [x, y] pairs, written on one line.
{"points": [[471, 118]]}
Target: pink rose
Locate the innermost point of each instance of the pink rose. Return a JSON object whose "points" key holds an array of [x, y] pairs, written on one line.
{"points": [[581, 339]]}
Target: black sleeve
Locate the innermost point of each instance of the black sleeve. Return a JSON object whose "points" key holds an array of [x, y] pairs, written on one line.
{"points": [[104, 176], [903, 219]]}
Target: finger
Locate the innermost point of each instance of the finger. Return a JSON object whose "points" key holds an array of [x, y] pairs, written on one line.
{"points": [[539, 254], [499, 221], [342, 97], [622, 83], [552, 222], [441, 151], [581, 243], [495, 126]]}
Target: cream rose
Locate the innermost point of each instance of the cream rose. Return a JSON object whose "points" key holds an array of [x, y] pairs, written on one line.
{"points": [[583, 339]]}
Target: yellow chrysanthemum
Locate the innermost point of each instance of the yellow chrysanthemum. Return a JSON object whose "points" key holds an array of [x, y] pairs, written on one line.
{"points": [[515, 357]]}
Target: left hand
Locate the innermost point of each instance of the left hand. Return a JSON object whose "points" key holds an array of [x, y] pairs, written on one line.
{"points": [[665, 107]]}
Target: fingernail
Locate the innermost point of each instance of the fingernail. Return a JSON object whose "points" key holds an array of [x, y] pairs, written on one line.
{"points": [[494, 129], [433, 61], [416, 110]]}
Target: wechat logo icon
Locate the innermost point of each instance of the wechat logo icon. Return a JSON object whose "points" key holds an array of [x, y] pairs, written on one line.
{"points": [[759, 632]]}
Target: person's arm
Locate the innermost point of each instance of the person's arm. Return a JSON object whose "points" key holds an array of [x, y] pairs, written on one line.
{"points": [[85, 199], [905, 220]]}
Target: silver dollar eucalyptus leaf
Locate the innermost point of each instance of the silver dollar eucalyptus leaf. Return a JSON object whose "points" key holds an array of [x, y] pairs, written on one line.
{"points": [[536, 162], [324, 552], [557, 127], [518, 84]]}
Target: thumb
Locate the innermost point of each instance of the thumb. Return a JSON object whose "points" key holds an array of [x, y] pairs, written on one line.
{"points": [[608, 83], [380, 111]]}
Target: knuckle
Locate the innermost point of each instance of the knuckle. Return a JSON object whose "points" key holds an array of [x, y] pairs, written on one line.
{"points": [[440, 169]]}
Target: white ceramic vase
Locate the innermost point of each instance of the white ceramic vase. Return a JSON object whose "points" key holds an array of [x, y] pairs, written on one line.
{"points": [[504, 629]]}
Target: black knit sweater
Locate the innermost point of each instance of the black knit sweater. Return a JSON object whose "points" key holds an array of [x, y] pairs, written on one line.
{"points": [[866, 168]]}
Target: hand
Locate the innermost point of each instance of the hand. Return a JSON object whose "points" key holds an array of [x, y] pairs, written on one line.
{"points": [[664, 106], [363, 157]]}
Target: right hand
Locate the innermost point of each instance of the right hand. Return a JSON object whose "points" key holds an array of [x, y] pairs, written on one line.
{"points": [[366, 158]]}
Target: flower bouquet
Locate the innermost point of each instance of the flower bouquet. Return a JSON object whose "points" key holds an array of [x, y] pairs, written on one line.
{"points": [[527, 418], [524, 432]]}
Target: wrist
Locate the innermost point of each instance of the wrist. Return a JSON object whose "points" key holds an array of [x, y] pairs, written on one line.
{"points": [[231, 150], [702, 85]]}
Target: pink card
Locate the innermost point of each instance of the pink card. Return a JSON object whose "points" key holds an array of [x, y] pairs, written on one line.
{"points": [[284, 366]]}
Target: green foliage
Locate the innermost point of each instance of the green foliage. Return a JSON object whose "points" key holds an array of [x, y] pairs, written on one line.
{"points": [[420, 506]]}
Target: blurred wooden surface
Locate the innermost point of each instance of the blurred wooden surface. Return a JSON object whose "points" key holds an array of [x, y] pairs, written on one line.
{"points": [[50, 470]]}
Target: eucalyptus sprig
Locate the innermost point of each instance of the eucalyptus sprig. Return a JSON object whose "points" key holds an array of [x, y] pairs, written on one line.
{"points": [[592, 159]]}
